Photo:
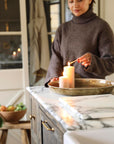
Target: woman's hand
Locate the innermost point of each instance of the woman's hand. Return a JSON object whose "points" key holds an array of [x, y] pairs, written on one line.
{"points": [[54, 79], [85, 59], [54, 82]]}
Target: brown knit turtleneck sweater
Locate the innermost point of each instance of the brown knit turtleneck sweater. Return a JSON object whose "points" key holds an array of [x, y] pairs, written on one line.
{"points": [[86, 33]]}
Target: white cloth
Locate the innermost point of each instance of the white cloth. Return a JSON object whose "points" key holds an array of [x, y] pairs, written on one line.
{"points": [[99, 136], [39, 47]]}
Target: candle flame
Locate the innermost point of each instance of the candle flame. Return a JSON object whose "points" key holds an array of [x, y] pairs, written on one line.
{"points": [[19, 50], [68, 63], [14, 53]]}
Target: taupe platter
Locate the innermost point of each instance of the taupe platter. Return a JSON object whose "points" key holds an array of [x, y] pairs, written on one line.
{"points": [[83, 86]]}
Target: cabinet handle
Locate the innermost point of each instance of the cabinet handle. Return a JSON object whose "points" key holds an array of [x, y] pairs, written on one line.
{"points": [[47, 126], [32, 117]]}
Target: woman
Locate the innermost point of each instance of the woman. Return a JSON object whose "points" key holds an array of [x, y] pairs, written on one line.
{"points": [[87, 38]]}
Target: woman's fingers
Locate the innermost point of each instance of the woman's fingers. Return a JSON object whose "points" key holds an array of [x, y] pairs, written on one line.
{"points": [[54, 79], [86, 64], [85, 60]]}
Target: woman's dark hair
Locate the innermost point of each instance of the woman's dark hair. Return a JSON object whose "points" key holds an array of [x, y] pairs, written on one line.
{"points": [[91, 5]]}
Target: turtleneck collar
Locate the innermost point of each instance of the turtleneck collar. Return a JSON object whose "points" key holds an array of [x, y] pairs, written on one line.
{"points": [[84, 18]]}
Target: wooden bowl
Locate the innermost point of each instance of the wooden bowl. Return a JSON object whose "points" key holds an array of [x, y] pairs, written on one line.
{"points": [[12, 116]]}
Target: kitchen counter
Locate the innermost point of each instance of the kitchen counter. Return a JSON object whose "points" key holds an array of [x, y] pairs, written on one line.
{"points": [[98, 136], [62, 108]]}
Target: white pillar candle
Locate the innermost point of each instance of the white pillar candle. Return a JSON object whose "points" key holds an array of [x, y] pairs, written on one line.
{"points": [[69, 73], [63, 82]]}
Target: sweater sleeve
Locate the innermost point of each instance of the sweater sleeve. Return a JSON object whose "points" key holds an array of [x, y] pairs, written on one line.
{"points": [[56, 63], [103, 64]]}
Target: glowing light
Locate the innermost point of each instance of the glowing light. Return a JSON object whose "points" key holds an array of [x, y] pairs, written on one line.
{"points": [[66, 117], [19, 50], [14, 53], [68, 63]]}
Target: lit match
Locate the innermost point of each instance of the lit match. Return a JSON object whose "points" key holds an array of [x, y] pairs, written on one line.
{"points": [[73, 61]]}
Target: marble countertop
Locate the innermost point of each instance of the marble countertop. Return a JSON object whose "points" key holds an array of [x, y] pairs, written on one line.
{"points": [[79, 112]]}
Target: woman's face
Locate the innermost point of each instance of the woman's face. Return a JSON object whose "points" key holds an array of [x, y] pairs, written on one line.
{"points": [[79, 7]]}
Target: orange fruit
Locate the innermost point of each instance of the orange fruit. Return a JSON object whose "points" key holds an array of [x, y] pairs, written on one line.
{"points": [[3, 108]]}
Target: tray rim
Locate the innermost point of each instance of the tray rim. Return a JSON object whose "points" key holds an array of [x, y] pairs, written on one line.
{"points": [[55, 88]]}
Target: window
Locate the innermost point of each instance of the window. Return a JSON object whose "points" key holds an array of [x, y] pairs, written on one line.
{"points": [[10, 52], [53, 17], [10, 35], [56, 12]]}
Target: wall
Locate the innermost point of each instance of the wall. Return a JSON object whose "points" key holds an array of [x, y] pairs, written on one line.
{"points": [[107, 11]]}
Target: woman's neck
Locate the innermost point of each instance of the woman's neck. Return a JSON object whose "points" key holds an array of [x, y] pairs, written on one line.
{"points": [[84, 18]]}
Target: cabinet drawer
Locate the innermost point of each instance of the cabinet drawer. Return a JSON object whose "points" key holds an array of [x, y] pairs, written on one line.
{"points": [[50, 133]]}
